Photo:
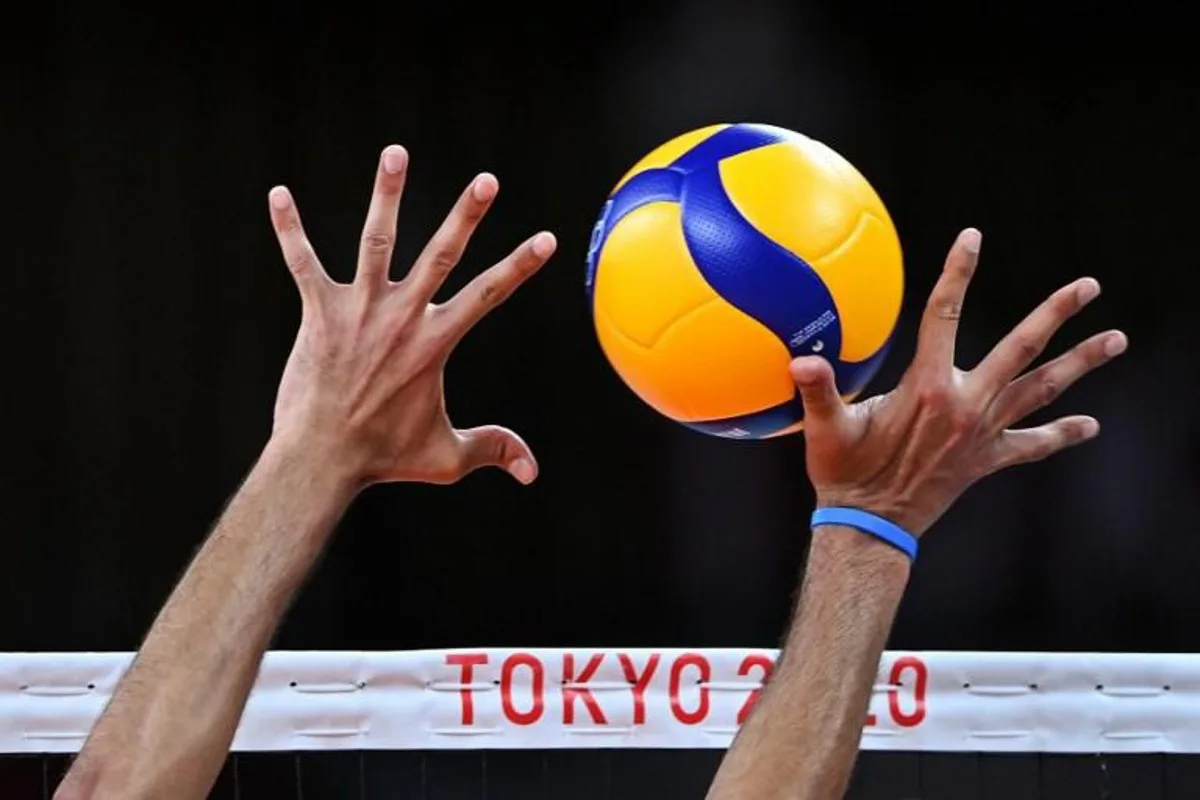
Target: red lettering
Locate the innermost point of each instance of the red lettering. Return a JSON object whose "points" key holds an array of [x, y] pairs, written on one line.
{"points": [[700, 663], [920, 686], [537, 688], [467, 662], [639, 682], [748, 663], [573, 689], [871, 720]]}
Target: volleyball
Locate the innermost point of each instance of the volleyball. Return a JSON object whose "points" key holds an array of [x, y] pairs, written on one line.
{"points": [[729, 251]]}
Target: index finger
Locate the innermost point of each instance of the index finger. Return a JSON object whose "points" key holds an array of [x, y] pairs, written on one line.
{"points": [[939, 324], [449, 242], [492, 287]]}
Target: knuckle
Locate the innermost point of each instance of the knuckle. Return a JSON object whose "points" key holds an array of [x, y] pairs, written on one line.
{"points": [[935, 395], [1027, 347], [1048, 389], [528, 263], [948, 309], [492, 294], [965, 418], [300, 263], [1065, 302], [496, 449], [1094, 355], [443, 260], [377, 242]]}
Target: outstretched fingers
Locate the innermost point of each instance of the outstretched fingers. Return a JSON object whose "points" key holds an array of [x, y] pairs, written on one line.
{"points": [[1016, 351], [1026, 445], [298, 252], [446, 247], [491, 288], [379, 230], [939, 323], [1037, 389]]}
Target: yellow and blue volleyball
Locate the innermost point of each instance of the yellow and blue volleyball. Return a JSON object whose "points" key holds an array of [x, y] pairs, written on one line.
{"points": [[726, 253]]}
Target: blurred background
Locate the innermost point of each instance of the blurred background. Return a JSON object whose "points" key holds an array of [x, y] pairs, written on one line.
{"points": [[146, 313]]}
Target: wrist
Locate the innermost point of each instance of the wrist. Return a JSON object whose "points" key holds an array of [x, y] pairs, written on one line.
{"points": [[890, 507], [855, 551], [331, 463]]}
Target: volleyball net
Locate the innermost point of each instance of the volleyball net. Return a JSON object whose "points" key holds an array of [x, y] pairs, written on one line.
{"points": [[586, 721]]}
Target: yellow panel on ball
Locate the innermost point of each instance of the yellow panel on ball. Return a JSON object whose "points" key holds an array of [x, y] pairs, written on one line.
{"points": [[646, 279], [718, 339], [665, 330], [865, 276], [807, 198], [792, 196]]}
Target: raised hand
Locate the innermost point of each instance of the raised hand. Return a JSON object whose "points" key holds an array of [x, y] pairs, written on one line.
{"points": [[907, 455], [364, 379]]}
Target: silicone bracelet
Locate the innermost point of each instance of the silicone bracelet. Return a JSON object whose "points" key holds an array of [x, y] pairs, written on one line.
{"points": [[872, 524]]}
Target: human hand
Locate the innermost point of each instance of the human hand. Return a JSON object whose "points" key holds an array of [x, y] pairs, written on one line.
{"points": [[909, 454], [363, 384]]}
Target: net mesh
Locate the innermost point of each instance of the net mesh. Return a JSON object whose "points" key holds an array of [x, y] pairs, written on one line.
{"points": [[644, 774]]}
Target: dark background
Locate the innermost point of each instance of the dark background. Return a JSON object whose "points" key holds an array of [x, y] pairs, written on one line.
{"points": [[146, 313]]}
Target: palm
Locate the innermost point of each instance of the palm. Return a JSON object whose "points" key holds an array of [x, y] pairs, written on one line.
{"points": [[837, 454], [429, 448]]}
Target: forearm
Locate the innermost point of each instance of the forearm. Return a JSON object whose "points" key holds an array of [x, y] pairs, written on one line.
{"points": [[802, 739], [173, 716]]}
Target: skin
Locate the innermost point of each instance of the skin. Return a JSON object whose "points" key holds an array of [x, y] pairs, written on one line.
{"points": [[906, 456], [360, 402]]}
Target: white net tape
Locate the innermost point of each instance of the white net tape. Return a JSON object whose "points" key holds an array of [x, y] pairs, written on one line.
{"points": [[637, 698]]}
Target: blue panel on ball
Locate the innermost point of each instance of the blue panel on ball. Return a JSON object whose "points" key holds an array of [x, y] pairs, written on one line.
{"points": [[725, 143], [753, 273], [660, 184], [853, 376], [651, 186], [758, 425], [763, 279]]}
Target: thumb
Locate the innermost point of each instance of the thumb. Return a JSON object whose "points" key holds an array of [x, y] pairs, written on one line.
{"points": [[493, 446], [814, 378]]}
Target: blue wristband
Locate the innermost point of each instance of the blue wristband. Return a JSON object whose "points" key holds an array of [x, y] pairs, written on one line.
{"points": [[865, 521]]}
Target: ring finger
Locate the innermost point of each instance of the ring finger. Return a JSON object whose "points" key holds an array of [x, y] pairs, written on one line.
{"points": [[1037, 389], [446, 247], [1024, 343]]}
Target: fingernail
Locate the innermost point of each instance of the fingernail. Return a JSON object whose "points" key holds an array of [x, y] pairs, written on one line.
{"points": [[484, 188], [280, 198], [394, 158], [972, 240], [543, 245], [1089, 428], [523, 470], [808, 370], [1115, 345], [1089, 289]]}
